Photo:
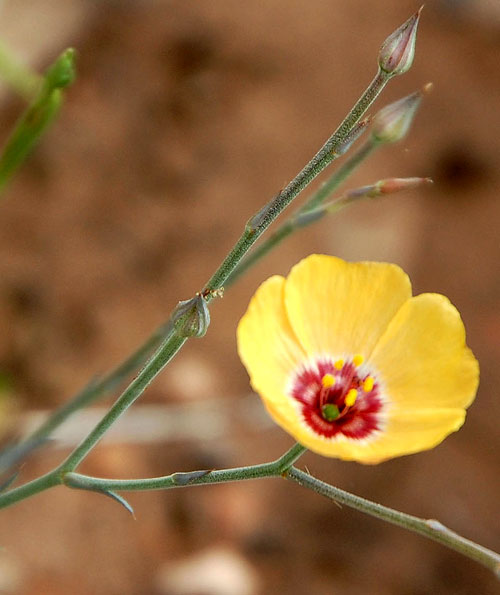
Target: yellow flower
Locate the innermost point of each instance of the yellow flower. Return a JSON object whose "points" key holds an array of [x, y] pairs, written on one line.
{"points": [[351, 365]]}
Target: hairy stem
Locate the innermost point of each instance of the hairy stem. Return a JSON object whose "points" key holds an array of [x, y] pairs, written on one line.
{"points": [[289, 226], [97, 389], [253, 230], [135, 389], [428, 528], [173, 343], [84, 482], [328, 152], [180, 480], [30, 489]]}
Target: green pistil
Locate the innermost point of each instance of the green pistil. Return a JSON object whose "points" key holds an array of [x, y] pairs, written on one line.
{"points": [[330, 412]]}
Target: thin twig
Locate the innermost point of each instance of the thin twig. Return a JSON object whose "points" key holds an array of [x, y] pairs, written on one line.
{"points": [[428, 528]]}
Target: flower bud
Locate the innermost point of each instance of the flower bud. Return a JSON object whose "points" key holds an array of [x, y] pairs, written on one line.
{"points": [[308, 217], [191, 317], [387, 186], [393, 121], [397, 51], [390, 185], [62, 72]]}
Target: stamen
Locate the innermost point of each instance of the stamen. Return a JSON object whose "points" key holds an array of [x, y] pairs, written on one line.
{"points": [[368, 384], [337, 399], [358, 359], [328, 381], [330, 412], [351, 397]]}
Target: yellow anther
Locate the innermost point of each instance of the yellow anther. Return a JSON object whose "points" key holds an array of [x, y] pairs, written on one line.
{"points": [[358, 359], [339, 364], [368, 384], [351, 397], [328, 380]]}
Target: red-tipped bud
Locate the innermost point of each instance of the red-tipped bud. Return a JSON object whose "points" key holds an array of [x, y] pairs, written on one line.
{"points": [[387, 186], [391, 185], [393, 121], [397, 51]]}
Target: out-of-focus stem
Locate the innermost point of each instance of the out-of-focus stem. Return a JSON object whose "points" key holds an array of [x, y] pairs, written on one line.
{"points": [[38, 116], [96, 389], [152, 368]]}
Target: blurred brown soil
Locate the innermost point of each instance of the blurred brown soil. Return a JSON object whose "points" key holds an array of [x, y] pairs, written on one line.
{"points": [[185, 117]]}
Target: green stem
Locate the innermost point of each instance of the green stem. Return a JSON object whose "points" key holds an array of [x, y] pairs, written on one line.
{"points": [[349, 166], [95, 390], [263, 219], [193, 478], [258, 224], [78, 481], [289, 226], [30, 489], [170, 347], [135, 389], [283, 466], [39, 115], [428, 528], [20, 78]]}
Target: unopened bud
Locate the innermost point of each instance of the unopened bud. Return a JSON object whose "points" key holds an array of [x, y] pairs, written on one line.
{"points": [[387, 186], [191, 317], [397, 51], [308, 217], [391, 185], [62, 72], [393, 121]]}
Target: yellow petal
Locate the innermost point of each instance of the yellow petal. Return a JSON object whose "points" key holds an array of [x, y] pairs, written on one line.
{"points": [[422, 357], [338, 307], [266, 343], [405, 433]]}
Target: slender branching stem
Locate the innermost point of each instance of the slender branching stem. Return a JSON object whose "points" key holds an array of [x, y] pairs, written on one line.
{"points": [[96, 389], [40, 484], [317, 198], [84, 482], [179, 480], [282, 467], [431, 529], [172, 345], [99, 388], [135, 389], [263, 219], [258, 224]]}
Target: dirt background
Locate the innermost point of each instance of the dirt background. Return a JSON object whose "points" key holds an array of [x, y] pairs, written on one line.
{"points": [[185, 117]]}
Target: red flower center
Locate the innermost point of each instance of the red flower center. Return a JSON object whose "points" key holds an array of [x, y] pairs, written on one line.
{"points": [[338, 398]]}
